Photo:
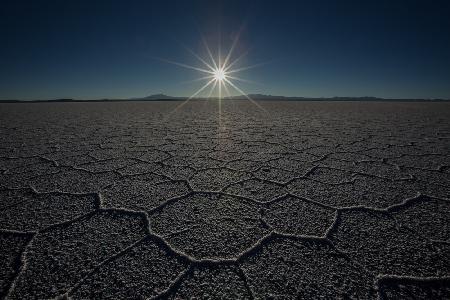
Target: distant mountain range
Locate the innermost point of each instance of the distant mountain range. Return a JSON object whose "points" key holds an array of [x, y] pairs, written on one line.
{"points": [[160, 97], [261, 97], [291, 98]]}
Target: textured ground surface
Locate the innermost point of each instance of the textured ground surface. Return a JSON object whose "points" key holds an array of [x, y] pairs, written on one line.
{"points": [[124, 200]]}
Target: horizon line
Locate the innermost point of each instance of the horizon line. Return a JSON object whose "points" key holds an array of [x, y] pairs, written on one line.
{"points": [[163, 97]]}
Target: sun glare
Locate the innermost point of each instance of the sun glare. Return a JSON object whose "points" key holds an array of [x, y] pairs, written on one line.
{"points": [[220, 76]]}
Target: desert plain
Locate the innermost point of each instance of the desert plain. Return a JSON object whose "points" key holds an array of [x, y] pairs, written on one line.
{"points": [[279, 200]]}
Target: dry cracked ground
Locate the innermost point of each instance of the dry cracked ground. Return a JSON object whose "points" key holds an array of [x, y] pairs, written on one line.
{"points": [[301, 199]]}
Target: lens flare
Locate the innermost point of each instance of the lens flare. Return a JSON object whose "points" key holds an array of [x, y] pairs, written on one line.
{"points": [[218, 72]]}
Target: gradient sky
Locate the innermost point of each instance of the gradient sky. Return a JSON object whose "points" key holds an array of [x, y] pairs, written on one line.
{"points": [[108, 49]]}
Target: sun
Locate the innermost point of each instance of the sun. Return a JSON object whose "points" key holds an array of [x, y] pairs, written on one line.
{"points": [[219, 74]]}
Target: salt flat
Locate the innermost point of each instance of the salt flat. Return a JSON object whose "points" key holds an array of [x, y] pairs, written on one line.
{"points": [[290, 199]]}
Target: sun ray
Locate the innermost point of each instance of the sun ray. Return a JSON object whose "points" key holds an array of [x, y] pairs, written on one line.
{"points": [[241, 79], [219, 52], [195, 94], [247, 68], [236, 39], [219, 59], [199, 58], [236, 60], [186, 66], [201, 89], [212, 89], [227, 90], [220, 90], [245, 95], [219, 102], [198, 79], [209, 53]]}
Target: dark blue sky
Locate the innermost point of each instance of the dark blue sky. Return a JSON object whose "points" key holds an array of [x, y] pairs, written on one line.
{"points": [[100, 49]]}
